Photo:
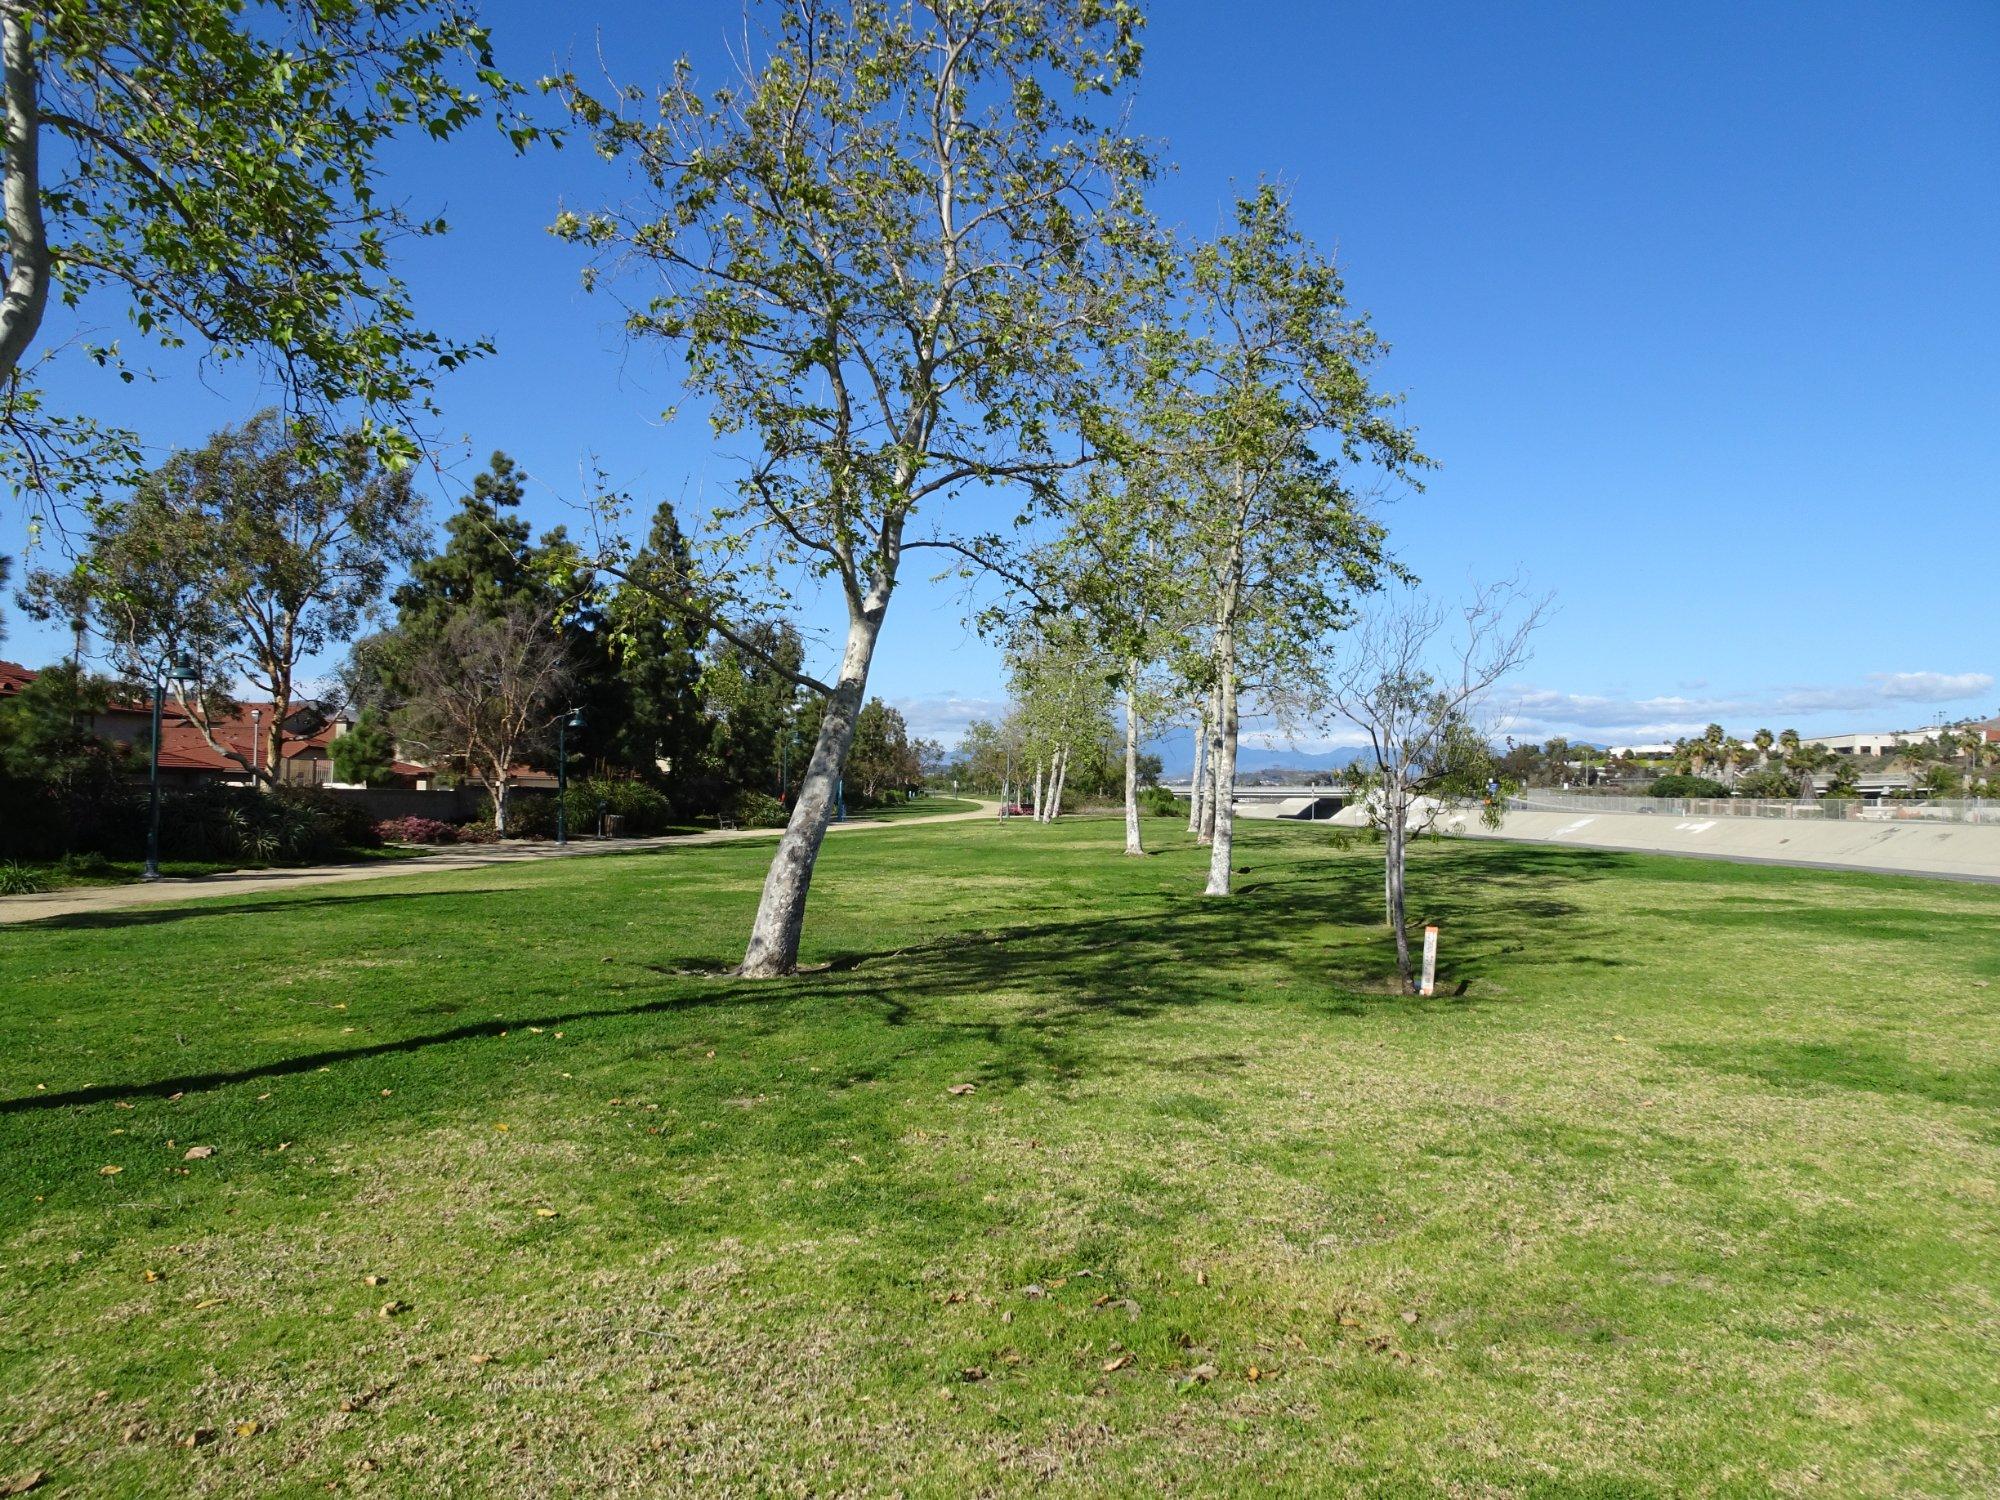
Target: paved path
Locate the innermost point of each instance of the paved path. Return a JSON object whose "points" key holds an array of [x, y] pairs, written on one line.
{"points": [[460, 857]]}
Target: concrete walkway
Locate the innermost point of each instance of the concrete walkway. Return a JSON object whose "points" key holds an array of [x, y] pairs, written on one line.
{"points": [[454, 857]]}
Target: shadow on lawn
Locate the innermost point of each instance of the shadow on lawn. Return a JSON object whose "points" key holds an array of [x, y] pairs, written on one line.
{"points": [[1309, 938]]}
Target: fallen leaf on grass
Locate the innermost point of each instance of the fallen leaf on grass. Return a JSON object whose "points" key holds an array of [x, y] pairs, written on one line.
{"points": [[201, 1437], [371, 1279], [198, 1153], [545, 1213], [207, 1302], [1118, 1363], [20, 1484], [961, 1088], [972, 1374], [393, 1309], [249, 1429], [135, 1432], [1202, 1374], [109, 1171], [152, 1276], [1410, 1315], [481, 1359]]}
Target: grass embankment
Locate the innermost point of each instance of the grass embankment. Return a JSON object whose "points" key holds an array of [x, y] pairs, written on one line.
{"points": [[923, 807], [1691, 1189]]}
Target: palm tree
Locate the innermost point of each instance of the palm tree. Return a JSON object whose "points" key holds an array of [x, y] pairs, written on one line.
{"points": [[1763, 739], [1735, 756]]}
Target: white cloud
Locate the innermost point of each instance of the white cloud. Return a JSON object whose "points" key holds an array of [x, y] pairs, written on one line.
{"points": [[1884, 701], [1932, 687], [944, 719]]}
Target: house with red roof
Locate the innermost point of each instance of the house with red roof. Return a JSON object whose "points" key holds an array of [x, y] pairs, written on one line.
{"points": [[240, 740]]}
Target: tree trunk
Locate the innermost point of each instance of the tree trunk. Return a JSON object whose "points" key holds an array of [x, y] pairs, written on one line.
{"points": [[781, 913], [1394, 841], [1132, 844], [1224, 811], [29, 266], [1198, 788], [1058, 774], [497, 790], [1038, 789], [1214, 731]]}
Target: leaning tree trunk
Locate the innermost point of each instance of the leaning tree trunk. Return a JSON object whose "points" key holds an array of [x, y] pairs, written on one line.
{"points": [[1198, 790], [31, 267], [1132, 844], [1224, 796], [781, 913], [1058, 774]]}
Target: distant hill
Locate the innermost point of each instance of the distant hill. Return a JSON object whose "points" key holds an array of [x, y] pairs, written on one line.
{"points": [[1279, 767]]}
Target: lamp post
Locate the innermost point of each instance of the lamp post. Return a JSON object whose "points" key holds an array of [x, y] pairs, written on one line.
{"points": [[571, 720], [182, 673]]}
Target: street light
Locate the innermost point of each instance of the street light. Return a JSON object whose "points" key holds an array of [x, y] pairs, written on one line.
{"points": [[183, 673], [571, 720]]}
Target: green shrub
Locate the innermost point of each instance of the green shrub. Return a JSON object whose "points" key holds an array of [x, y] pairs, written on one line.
{"points": [[1686, 786], [19, 880], [1158, 802], [759, 810], [643, 806]]}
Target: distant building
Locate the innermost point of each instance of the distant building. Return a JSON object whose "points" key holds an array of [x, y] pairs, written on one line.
{"points": [[1872, 742]]}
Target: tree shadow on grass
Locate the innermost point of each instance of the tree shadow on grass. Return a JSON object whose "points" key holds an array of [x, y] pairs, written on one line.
{"points": [[278, 901], [1057, 990]]}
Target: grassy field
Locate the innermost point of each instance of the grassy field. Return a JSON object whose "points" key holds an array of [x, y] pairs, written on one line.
{"points": [[1685, 1186]]}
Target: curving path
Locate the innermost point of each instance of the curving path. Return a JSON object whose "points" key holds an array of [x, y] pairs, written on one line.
{"points": [[467, 857]]}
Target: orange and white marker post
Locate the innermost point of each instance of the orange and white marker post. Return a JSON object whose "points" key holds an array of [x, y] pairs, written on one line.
{"points": [[1430, 962]]}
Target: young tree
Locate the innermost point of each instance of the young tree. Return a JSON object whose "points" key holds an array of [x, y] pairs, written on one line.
{"points": [[884, 253], [215, 167], [366, 754], [484, 693], [1412, 679], [251, 554], [1267, 362]]}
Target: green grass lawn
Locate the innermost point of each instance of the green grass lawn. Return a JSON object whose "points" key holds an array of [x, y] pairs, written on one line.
{"points": [[1685, 1185], [55, 875], [923, 807]]}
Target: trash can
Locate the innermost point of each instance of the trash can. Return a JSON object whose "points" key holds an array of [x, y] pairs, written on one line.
{"points": [[614, 825]]}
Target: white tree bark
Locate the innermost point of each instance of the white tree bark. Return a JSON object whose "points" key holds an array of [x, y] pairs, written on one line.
{"points": [[1058, 774], [781, 913], [1214, 723], [1133, 846], [1038, 789], [1198, 788], [1223, 844], [29, 265]]}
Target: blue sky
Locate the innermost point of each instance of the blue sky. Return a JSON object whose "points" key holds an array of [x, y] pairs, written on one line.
{"points": [[1696, 305]]}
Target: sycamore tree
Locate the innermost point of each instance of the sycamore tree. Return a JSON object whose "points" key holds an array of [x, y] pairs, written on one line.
{"points": [[1062, 685], [885, 252], [211, 170], [1413, 678], [1259, 389]]}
